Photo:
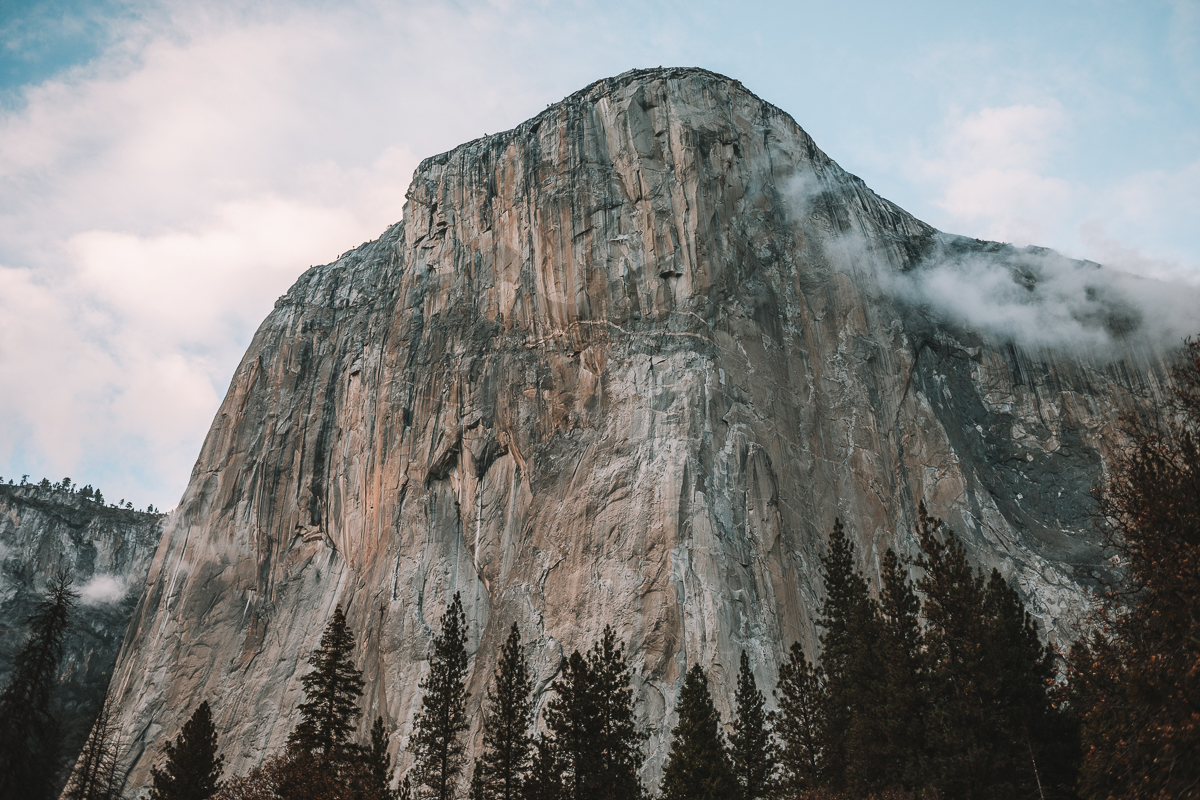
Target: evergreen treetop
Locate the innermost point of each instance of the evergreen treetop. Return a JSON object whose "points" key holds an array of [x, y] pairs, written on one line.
{"points": [[507, 741], [329, 714], [437, 732], [697, 766], [377, 760], [193, 768], [593, 736], [802, 725], [752, 749]]}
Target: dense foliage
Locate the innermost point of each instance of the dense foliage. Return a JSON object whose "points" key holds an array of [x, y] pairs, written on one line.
{"points": [[1136, 682], [192, 770], [698, 765]]}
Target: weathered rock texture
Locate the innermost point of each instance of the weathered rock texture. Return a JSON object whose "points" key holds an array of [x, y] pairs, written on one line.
{"points": [[108, 552], [607, 370]]}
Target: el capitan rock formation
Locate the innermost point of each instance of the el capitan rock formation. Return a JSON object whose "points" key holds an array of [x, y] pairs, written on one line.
{"points": [[617, 365]]}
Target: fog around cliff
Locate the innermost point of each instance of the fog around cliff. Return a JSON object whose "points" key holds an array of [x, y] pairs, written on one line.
{"points": [[1030, 296]]}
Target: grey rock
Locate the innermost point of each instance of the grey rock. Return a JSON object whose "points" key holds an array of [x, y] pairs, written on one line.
{"points": [[607, 370], [108, 553]]}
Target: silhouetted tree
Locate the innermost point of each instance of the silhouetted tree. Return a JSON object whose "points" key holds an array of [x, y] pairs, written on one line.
{"points": [[376, 757], [545, 778], [507, 742], [327, 717], [697, 765], [801, 725], [29, 733], [899, 710], [95, 774], [300, 774], [990, 678], [850, 638], [594, 739], [1137, 685], [192, 770], [437, 732], [752, 749]]}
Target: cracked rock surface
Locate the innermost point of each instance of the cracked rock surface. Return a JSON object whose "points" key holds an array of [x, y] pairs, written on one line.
{"points": [[608, 369], [107, 551]]}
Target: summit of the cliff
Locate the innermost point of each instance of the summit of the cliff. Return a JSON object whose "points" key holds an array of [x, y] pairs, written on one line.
{"points": [[674, 79]]}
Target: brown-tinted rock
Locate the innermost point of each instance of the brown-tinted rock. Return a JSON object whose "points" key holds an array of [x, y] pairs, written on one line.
{"points": [[619, 365]]}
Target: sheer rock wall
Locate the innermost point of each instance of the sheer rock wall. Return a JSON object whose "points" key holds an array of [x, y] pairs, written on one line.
{"points": [[615, 366]]}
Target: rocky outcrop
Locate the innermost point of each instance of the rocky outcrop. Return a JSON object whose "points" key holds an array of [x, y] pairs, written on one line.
{"points": [[107, 551], [623, 364]]}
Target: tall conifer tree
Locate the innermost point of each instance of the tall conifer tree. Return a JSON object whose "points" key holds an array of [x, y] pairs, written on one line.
{"points": [[851, 635], [955, 630], [1138, 686], [593, 737], [376, 757], [802, 725], [752, 749], [697, 766], [507, 742], [990, 714], [328, 716], [898, 712], [545, 778], [437, 732], [193, 769], [29, 733]]}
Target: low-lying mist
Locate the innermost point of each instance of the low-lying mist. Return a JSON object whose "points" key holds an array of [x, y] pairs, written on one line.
{"points": [[1030, 296]]}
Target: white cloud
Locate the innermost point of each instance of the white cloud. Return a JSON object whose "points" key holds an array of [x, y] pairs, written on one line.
{"points": [[103, 589], [989, 166]]}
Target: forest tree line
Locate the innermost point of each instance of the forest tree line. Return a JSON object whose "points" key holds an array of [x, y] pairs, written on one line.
{"points": [[938, 687]]}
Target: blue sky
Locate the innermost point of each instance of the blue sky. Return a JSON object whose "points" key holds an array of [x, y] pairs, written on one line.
{"points": [[170, 168]]}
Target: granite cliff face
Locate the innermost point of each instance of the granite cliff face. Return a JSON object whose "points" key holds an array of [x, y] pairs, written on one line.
{"points": [[622, 364], [108, 552]]}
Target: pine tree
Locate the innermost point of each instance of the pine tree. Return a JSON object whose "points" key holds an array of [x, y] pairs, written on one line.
{"points": [[851, 635], [95, 773], [898, 713], [327, 717], [193, 769], [545, 778], [593, 737], [801, 725], [507, 742], [752, 749], [29, 733], [990, 714], [1141, 724], [376, 757], [953, 609], [698, 766], [437, 732]]}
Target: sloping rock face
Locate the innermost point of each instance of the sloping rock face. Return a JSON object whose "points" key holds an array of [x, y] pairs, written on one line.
{"points": [[619, 366], [108, 553]]}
